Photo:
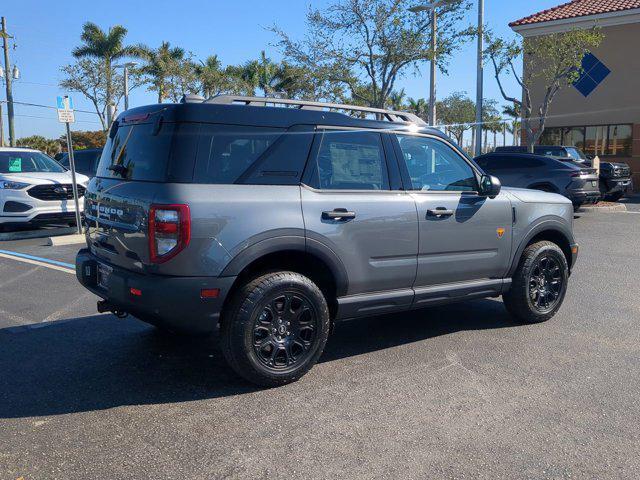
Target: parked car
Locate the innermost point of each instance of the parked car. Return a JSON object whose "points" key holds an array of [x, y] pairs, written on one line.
{"points": [[274, 223], [615, 178], [540, 172], [86, 160], [35, 189]]}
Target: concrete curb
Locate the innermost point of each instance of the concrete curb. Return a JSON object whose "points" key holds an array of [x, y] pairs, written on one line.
{"points": [[619, 207], [66, 240]]}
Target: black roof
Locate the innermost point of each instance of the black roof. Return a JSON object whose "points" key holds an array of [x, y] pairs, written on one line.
{"points": [[260, 116]]}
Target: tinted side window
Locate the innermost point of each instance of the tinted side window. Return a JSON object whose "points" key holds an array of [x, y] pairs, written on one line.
{"points": [[350, 160], [495, 162], [283, 163], [433, 165], [226, 152]]}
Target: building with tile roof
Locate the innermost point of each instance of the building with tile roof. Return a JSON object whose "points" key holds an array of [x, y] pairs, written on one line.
{"points": [[600, 113]]}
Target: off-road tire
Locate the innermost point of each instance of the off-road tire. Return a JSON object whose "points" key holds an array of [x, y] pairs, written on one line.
{"points": [[239, 319], [518, 300]]}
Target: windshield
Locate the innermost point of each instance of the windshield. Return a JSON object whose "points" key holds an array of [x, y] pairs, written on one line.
{"points": [[576, 154], [28, 162]]}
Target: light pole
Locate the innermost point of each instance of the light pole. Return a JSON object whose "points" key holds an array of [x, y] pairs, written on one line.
{"points": [[126, 67], [479, 79], [431, 8]]}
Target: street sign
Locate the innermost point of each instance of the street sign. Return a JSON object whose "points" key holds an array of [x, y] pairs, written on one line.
{"points": [[66, 116], [65, 109]]}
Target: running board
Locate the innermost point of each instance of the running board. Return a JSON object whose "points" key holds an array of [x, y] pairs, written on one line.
{"points": [[404, 299]]}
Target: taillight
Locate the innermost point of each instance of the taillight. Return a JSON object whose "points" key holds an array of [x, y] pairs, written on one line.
{"points": [[169, 231]]}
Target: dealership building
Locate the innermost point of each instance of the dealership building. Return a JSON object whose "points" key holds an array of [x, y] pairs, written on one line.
{"points": [[600, 112]]}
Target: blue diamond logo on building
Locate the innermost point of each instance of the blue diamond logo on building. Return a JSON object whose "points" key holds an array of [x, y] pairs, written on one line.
{"points": [[593, 73]]}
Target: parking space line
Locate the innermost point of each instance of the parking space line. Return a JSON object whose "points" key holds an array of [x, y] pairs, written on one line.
{"points": [[42, 262]]}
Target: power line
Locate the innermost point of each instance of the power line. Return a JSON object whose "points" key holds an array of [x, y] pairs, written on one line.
{"points": [[27, 104]]}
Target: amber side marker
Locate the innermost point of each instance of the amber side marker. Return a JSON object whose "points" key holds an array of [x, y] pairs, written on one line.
{"points": [[574, 249], [209, 293]]}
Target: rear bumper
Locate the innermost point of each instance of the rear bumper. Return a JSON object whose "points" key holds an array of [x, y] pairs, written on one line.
{"points": [[584, 196], [171, 302]]}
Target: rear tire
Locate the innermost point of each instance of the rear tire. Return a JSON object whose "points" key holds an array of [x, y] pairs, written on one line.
{"points": [[275, 328], [614, 197], [539, 284]]}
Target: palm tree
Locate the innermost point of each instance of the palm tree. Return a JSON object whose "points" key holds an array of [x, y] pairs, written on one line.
{"points": [[396, 99], [514, 112], [161, 64], [420, 107], [263, 74], [106, 47]]}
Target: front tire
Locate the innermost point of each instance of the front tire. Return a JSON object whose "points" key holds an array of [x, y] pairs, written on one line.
{"points": [[275, 328], [539, 284]]}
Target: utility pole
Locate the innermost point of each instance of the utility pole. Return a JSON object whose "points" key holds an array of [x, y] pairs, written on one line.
{"points": [[1, 128], [479, 87], [8, 79]]}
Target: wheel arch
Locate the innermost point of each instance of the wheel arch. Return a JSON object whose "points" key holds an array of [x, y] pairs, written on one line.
{"points": [[293, 253], [550, 230]]}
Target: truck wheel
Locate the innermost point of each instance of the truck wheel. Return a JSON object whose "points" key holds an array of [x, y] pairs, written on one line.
{"points": [[275, 328], [539, 284], [614, 197]]}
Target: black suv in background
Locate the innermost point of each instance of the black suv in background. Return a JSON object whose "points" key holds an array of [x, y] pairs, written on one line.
{"points": [[540, 172], [86, 160], [615, 178]]}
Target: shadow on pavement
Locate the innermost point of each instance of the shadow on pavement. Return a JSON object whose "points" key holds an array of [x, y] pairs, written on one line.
{"points": [[100, 362]]}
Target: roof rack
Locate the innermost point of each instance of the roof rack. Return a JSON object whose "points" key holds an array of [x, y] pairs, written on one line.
{"points": [[388, 115]]}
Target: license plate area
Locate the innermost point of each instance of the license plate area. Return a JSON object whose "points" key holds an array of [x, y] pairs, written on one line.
{"points": [[103, 273]]}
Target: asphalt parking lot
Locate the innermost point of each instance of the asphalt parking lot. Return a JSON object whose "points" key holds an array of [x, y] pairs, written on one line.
{"points": [[449, 392]]}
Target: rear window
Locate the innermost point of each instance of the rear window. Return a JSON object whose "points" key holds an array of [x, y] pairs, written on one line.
{"points": [[138, 152]]}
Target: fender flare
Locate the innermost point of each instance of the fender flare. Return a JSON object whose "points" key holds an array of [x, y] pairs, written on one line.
{"points": [[544, 225], [290, 243]]}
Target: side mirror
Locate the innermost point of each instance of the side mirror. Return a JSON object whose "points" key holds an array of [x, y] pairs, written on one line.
{"points": [[489, 186]]}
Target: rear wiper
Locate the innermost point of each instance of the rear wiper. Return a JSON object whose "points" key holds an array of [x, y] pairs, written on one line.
{"points": [[119, 170]]}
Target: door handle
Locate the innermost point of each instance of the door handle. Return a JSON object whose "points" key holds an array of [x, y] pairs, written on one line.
{"points": [[439, 212], [338, 214]]}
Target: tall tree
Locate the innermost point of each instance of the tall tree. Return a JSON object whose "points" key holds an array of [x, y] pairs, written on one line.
{"points": [[85, 76], [490, 120], [371, 43], [161, 64], [396, 100], [457, 112], [514, 112], [107, 48], [552, 61], [419, 106]]}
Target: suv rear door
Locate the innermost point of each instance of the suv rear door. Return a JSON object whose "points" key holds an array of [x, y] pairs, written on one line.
{"points": [[465, 238], [349, 205]]}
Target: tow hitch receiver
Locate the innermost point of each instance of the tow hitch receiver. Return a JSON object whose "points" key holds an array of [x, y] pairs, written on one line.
{"points": [[105, 307]]}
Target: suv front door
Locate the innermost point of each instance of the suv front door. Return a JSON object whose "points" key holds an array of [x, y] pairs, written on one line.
{"points": [[465, 238], [349, 206]]}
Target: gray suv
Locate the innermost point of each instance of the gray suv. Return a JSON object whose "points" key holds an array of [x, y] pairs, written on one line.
{"points": [[269, 224]]}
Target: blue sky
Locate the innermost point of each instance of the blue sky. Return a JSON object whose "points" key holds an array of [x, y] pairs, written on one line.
{"points": [[46, 32]]}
